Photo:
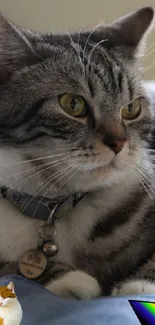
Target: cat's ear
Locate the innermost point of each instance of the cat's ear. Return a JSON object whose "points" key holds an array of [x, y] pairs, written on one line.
{"points": [[131, 30], [11, 287], [15, 49]]}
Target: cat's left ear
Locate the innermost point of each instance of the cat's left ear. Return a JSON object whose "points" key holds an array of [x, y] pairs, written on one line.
{"points": [[132, 30], [16, 51], [11, 287]]}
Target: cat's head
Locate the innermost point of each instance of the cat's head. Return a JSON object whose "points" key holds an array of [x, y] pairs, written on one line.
{"points": [[7, 295], [73, 110]]}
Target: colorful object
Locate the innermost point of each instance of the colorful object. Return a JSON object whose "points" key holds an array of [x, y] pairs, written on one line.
{"points": [[10, 308], [145, 311]]}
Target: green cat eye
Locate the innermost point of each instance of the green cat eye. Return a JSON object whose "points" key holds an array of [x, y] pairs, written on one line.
{"points": [[74, 105], [131, 111]]}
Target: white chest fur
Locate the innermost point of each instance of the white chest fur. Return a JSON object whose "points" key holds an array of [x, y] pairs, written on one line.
{"points": [[17, 232], [11, 315]]}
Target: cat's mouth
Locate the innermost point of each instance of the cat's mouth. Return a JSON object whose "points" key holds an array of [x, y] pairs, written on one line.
{"points": [[110, 159], [114, 164]]}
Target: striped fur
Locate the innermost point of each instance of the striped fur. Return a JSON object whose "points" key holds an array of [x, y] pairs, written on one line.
{"points": [[109, 235]]}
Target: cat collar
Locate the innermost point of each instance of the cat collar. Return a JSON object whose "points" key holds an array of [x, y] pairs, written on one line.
{"points": [[33, 263]]}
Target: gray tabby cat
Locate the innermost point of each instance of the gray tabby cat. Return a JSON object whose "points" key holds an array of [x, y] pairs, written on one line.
{"points": [[76, 117]]}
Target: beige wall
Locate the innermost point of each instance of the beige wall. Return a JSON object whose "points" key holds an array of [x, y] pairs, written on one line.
{"points": [[48, 15]]}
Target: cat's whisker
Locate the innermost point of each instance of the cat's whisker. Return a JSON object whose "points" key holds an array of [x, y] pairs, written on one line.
{"points": [[149, 154], [145, 179], [147, 176], [151, 163], [151, 160], [89, 36], [148, 149], [142, 183], [61, 150], [51, 164], [77, 52], [15, 184], [69, 177], [79, 35], [57, 182], [147, 68], [147, 172], [35, 159], [140, 165], [91, 53], [71, 167], [60, 173], [51, 177], [22, 172], [146, 56], [149, 47], [68, 148], [66, 151], [148, 52]]}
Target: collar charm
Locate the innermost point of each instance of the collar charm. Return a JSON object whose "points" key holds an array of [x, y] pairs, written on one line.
{"points": [[34, 262]]}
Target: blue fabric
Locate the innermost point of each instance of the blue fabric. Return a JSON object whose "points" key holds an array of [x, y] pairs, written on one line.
{"points": [[40, 307]]}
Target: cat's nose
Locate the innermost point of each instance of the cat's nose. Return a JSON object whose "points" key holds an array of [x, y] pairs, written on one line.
{"points": [[114, 143]]}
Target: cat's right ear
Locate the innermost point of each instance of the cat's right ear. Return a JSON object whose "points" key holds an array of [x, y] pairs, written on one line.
{"points": [[11, 287], [15, 49]]}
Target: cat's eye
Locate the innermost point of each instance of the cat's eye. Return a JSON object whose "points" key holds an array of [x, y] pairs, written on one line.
{"points": [[132, 110], [74, 105]]}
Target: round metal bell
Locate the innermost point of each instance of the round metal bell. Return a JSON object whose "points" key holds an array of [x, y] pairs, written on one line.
{"points": [[50, 248], [47, 232]]}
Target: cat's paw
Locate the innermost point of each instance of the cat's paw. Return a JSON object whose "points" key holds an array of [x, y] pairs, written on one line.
{"points": [[75, 285], [135, 287]]}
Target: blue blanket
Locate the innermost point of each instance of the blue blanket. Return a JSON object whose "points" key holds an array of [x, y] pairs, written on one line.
{"points": [[40, 307]]}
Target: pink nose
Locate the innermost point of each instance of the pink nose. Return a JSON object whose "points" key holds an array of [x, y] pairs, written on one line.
{"points": [[115, 144]]}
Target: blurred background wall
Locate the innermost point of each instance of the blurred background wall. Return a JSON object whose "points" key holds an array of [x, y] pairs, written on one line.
{"points": [[59, 15]]}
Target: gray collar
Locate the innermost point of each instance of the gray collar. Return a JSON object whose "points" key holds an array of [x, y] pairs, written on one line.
{"points": [[40, 207]]}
